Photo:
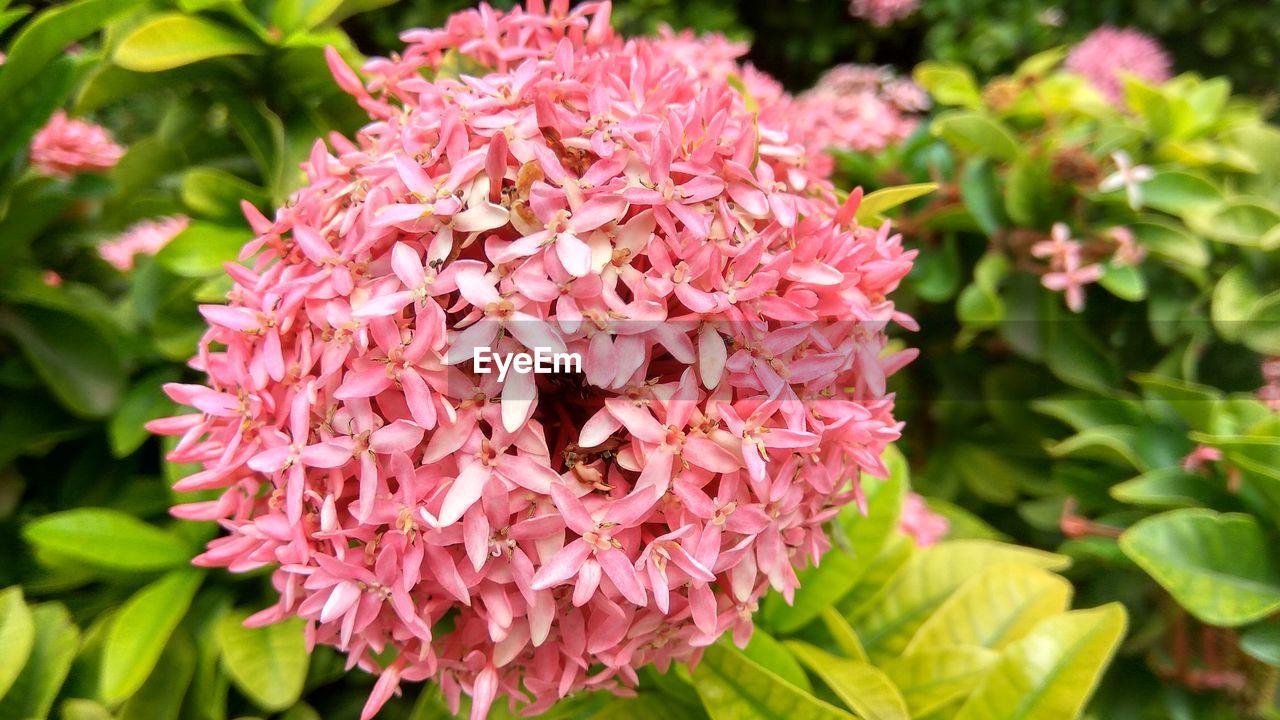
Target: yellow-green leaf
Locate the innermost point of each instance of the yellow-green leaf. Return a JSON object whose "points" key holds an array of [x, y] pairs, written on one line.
{"points": [[172, 40], [994, 609], [874, 205], [1049, 674], [733, 687], [934, 677], [107, 539], [140, 631], [977, 134], [56, 641], [268, 664], [843, 635], [17, 633], [867, 691]]}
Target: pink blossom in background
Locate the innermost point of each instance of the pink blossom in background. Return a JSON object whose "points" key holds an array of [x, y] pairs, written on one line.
{"points": [[143, 238], [66, 147], [1269, 393], [548, 534], [1107, 54], [861, 107], [1067, 272], [883, 13], [924, 526]]}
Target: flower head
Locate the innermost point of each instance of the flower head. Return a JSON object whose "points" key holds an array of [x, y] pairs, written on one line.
{"points": [[862, 108], [575, 192], [1107, 54], [882, 13], [1127, 176], [65, 147], [144, 238]]}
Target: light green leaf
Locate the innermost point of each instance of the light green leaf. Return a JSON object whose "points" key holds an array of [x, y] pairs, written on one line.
{"points": [[17, 634], [948, 84], [874, 205], [201, 249], [1106, 442], [216, 194], [268, 664], [1049, 674], [56, 641], [54, 342], [1193, 402], [1172, 242], [1127, 282], [843, 635], [1168, 488], [935, 677], [140, 631], [161, 696], [1233, 300], [929, 578], [772, 656], [980, 196], [1240, 222], [292, 15], [144, 402], [1262, 643], [994, 609], [977, 134], [893, 557], [49, 34], [81, 709], [107, 539], [1219, 567], [1180, 193], [1262, 332], [866, 691], [172, 40], [732, 687]]}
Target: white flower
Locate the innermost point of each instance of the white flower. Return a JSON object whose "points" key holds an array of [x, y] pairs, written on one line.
{"points": [[1127, 176]]}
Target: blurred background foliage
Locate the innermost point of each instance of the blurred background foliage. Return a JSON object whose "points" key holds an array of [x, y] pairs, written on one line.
{"points": [[1128, 439]]}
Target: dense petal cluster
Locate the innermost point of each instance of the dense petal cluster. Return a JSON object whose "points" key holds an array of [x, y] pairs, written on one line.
{"points": [[1107, 54], [572, 191], [883, 13], [66, 147], [144, 238], [861, 107]]}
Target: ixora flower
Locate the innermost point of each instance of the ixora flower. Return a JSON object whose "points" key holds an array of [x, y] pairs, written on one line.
{"points": [[861, 107], [147, 237], [585, 194], [921, 524], [882, 13], [65, 147], [1107, 54]]}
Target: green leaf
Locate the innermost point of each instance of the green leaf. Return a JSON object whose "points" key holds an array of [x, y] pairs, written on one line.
{"points": [[107, 539], [929, 578], [1234, 297], [1180, 193], [17, 635], [1172, 242], [268, 664], [948, 84], [864, 689], [292, 15], [216, 194], [1049, 674], [81, 709], [843, 635], [172, 40], [1168, 488], [932, 678], [89, 384], [977, 134], [980, 195], [201, 249], [994, 609], [49, 34], [161, 696], [893, 557], [1262, 643], [937, 273], [30, 106], [874, 205], [145, 402], [733, 687], [1239, 222], [1262, 331], [1127, 282], [772, 656], [140, 630], [1192, 402], [1028, 189], [1109, 443], [56, 641], [1077, 357], [1219, 567]]}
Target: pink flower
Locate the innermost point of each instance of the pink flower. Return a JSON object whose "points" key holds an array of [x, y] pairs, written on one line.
{"points": [[1128, 251], [882, 13], [1058, 247], [65, 147], [545, 533], [144, 238], [1107, 54], [1269, 393], [51, 278], [924, 526], [860, 107], [1071, 279]]}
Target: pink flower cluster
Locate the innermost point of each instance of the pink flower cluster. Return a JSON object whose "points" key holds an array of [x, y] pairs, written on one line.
{"points": [[1269, 393], [861, 107], [143, 238], [65, 147], [1069, 272], [883, 13], [577, 192], [1107, 54], [921, 524]]}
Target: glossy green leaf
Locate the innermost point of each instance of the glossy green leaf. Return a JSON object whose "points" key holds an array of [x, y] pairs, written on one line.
{"points": [[948, 84], [292, 15], [216, 194], [1172, 242], [875, 204], [843, 635], [161, 696], [140, 631], [929, 578], [201, 249], [172, 40], [1262, 331], [1127, 282], [977, 134], [81, 709], [144, 402], [1167, 488], [1262, 643], [864, 689], [994, 609], [981, 197], [49, 34], [934, 677], [56, 641], [772, 656], [733, 687], [1219, 567], [1179, 193], [1240, 222], [1049, 674], [54, 342], [893, 557], [17, 634], [268, 664], [107, 539]]}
